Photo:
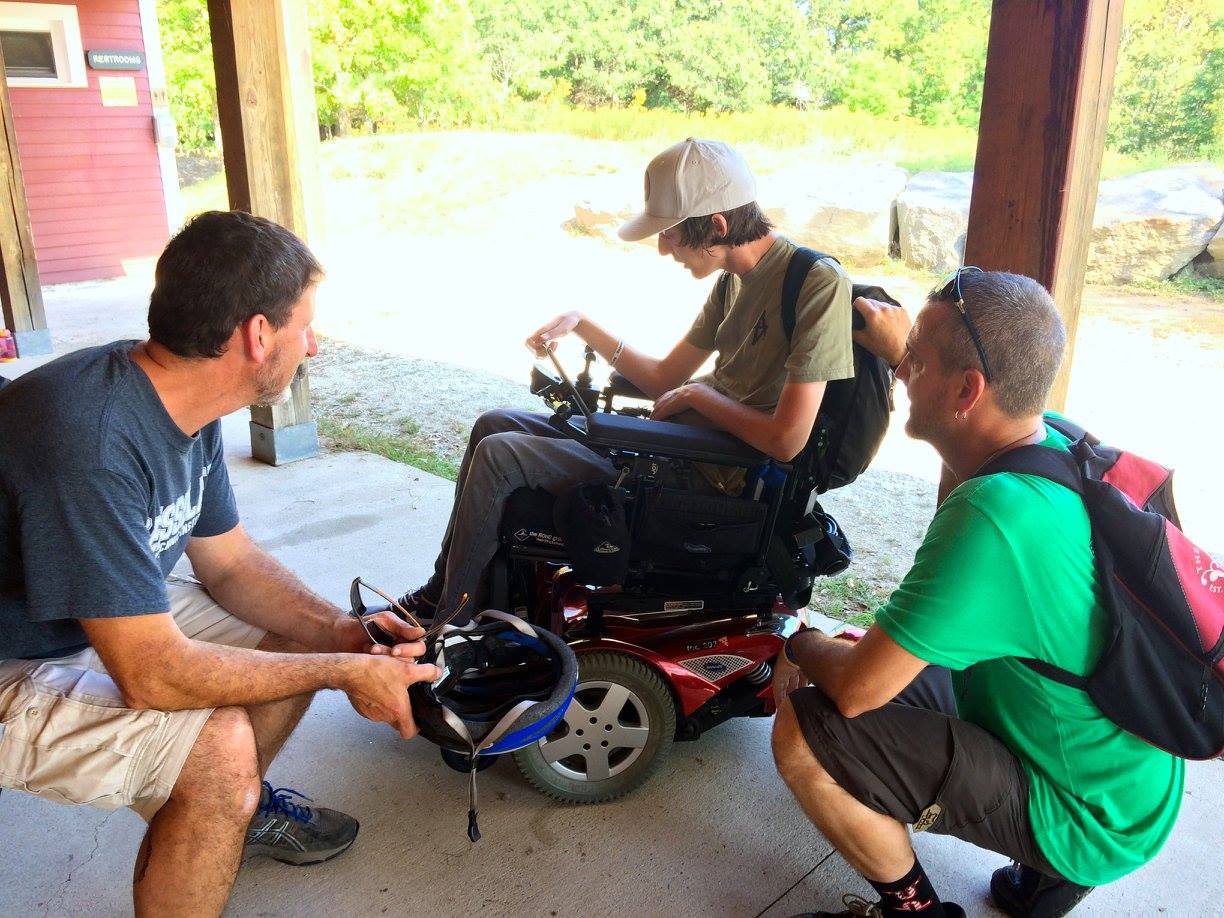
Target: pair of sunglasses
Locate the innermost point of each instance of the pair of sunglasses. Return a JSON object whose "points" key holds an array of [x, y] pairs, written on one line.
{"points": [[377, 635], [950, 289]]}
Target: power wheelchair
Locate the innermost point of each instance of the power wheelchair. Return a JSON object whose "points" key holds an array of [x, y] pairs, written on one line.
{"points": [[715, 585]]}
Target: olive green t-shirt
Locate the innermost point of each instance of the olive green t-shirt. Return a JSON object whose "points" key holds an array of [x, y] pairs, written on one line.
{"points": [[742, 321], [1006, 571]]}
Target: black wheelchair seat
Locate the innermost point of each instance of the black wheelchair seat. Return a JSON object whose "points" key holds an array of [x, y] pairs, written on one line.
{"points": [[682, 441]]}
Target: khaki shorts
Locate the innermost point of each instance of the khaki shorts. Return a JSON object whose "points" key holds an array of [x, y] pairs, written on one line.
{"points": [[65, 734]]}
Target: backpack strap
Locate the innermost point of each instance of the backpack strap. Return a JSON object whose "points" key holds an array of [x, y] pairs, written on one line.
{"points": [[1068, 429], [797, 270], [1061, 468], [1054, 464]]}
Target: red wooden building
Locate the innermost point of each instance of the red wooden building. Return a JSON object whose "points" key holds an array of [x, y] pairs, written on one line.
{"points": [[94, 136]]}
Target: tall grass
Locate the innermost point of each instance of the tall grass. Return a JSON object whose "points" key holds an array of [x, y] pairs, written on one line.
{"points": [[835, 132]]}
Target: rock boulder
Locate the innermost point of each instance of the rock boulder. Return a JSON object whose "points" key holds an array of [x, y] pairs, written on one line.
{"points": [[845, 210], [1150, 225], [609, 201], [932, 216], [1211, 262]]}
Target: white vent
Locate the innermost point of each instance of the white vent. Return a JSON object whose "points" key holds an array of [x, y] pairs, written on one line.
{"points": [[715, 666]]}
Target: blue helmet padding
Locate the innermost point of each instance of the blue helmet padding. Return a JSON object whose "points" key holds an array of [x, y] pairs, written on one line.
{"points": [[531, 733], [535, 721], [517, 637]]}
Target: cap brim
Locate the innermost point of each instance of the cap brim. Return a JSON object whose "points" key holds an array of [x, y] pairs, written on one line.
{"points": [[644, 225]]}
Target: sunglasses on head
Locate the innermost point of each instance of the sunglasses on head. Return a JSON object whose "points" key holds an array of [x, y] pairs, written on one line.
{"points": [[950, 290]]}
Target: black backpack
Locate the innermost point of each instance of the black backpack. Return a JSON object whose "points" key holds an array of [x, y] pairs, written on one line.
{"points": [[854, 412], [1161, 673]]}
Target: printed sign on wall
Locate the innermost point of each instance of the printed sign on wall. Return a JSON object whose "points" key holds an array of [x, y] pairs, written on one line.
{"points": [[118, 92], [115, 60]]}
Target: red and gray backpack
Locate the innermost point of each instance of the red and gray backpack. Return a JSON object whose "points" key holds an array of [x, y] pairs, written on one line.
{"points": [[1161, 673]]}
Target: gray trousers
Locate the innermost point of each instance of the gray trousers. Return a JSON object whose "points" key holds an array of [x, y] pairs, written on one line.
{"points": [[506, 451]]}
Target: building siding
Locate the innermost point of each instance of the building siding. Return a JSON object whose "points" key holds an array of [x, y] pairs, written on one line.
{"points": [[92, 176]]}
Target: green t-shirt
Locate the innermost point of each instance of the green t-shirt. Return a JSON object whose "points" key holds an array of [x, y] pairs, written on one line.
{"points": [[1006, 571], [742, 321]]}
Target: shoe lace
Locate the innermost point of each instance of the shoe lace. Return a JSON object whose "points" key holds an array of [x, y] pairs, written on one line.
{"points": [[277, 802], [857, 905]]}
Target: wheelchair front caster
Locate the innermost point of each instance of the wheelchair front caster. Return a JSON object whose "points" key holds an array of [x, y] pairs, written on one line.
{"points": [[618, 729], [461, 761]]}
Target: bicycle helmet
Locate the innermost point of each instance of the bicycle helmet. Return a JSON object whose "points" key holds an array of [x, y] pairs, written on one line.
{"points": [[504, 685]]}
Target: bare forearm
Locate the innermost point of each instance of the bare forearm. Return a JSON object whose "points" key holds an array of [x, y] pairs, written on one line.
{"points": [[262, 591], [823, 662], [640, 369], [758, 429], [204, 675]]}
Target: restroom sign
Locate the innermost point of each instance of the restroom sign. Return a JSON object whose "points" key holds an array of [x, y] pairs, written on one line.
{"points": [[115, 60]]}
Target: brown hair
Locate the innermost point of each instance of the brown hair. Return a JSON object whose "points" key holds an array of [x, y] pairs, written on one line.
{"points": [[744, 224]]}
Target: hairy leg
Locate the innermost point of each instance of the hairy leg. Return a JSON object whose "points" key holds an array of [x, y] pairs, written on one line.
{"points": [[274, 721], [190, 854], [875, 845]]}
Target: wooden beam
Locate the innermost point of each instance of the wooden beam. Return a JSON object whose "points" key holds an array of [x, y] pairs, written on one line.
{"points": [[270, 141], [20, 293], [1049, 78]]}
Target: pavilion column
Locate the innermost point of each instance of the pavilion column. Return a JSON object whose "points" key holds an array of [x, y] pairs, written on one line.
{"points": [[20, 293], [265, 102], [1049, 78]]}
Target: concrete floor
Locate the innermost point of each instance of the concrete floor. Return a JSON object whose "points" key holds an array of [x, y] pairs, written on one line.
{"points": [[713, 833]]}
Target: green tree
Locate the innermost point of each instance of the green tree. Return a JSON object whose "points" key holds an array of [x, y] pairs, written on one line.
{"points": [[191, 83], [1169, 92]]}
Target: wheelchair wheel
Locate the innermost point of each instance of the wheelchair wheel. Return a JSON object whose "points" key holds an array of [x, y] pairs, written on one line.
{"points": [[616, 732]]}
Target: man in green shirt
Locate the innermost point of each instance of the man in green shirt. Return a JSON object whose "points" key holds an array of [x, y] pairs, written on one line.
{"points": [[931, 720], [765, 388]]}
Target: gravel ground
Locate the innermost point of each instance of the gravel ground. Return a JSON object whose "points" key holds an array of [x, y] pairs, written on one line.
{"points": [[430, 402]]}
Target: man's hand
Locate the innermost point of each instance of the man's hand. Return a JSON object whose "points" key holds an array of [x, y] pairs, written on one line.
{"points": [[676, 400], [559, 327], [887, 328], [378, 690], [787, 678], [350, 637]]}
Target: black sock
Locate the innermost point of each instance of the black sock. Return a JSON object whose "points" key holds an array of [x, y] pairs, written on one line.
{"points": [[910, 895]]}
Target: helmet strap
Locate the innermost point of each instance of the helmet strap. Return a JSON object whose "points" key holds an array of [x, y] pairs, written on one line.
{"points": [[473, 828]]}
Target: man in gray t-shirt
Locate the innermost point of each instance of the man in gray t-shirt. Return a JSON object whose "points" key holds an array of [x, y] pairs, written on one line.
{"points": [[119, 687]]}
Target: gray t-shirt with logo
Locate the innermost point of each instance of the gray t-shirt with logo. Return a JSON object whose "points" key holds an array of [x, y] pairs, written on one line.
{"points": [[99, 492]]}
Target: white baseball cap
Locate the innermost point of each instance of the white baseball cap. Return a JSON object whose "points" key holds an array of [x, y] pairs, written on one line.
{"points": [[693, 178]]}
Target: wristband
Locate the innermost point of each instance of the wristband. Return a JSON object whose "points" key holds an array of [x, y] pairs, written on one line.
{"points": [[786, 648], [620, 346]]}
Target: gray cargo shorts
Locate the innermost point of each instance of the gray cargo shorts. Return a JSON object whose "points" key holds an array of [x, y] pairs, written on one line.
{"points": [[914, 760]]}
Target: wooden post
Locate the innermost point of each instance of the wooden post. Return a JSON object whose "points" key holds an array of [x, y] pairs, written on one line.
{"points": [[265, 102], [20, 292], [1049, 77]]}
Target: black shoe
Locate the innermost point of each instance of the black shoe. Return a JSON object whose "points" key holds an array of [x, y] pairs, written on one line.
{"points": [[418, 605], [294, 833], [858, 907], [1023, 892]]}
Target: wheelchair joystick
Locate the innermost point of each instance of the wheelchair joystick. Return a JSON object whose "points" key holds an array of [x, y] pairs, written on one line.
{"points": [[583, 382]]}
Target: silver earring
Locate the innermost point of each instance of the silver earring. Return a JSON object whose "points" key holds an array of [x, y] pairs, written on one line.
{"points": [[959, 416]]}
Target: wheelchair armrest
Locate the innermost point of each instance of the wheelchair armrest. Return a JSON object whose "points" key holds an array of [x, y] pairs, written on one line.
{"points": [[666, 438], [619, 385]]}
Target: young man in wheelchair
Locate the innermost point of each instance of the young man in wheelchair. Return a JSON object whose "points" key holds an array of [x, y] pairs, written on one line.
{"points": [[766, 386]]}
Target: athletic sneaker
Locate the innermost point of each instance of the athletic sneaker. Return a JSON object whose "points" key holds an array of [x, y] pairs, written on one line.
{"points": [[419, 605], [1023, 892], [291, 832], [858, 907]]}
